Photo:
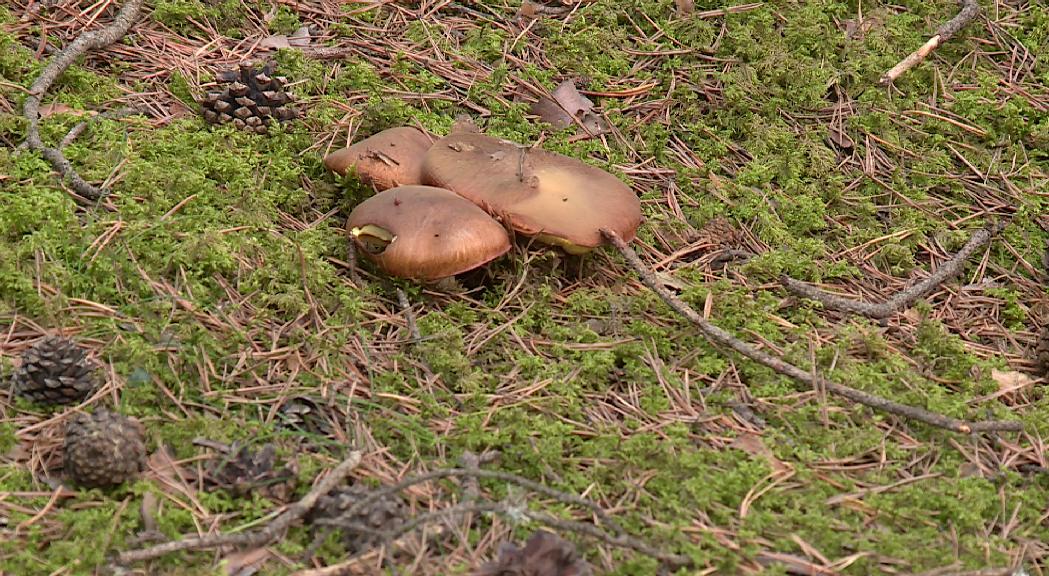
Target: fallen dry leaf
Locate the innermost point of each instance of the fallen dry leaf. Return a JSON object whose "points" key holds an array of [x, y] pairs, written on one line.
{"points": [[685, 7], [1011, 382], [275, 42], [839, 138], [856, 30], [753, 444], [52, 108], [301, 37], [170, 477], [246, 562], [545, 554], [566, 105]]}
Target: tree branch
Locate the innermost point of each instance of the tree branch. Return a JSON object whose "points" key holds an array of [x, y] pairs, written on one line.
{"points": [[31, 108], [969, 10], [723, 338], [903, 298], [267, 533]]}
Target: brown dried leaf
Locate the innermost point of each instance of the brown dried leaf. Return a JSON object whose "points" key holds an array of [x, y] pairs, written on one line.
{"points": [[856, 30], [1011, 382], [301, 37], [52, 108], [545, 554], [246, 562], [753, 444], [171, 478], [839, 138], [275, 42], [565, 106]]}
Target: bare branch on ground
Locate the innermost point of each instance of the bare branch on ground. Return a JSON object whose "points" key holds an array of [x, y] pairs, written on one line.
{"points": [[903, 298], [614, 536], [723, 338], [267, 533], [31, 108], [969, 10]]}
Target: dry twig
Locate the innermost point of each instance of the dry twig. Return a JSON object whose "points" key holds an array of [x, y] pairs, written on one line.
{"points": [[267, 533], [904, 297], [969, 10], [723, 338], [31, 109], [615, 536]]}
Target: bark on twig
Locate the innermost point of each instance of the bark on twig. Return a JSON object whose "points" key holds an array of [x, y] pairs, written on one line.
{"points": [[903, 298], [615, 535], [723, 338], [969, 10], [267, 533], [31, 108]]}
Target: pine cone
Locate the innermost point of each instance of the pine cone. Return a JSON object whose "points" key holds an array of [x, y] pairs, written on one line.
{"points": [[305, 414], [363, 529], [104, 449], [545, 554], [719, 233], [1041, 353], [250, 471], [252, 98], [55, 371]]}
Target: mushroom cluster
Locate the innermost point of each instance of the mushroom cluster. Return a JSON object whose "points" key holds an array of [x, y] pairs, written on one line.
{"points": [[443, 204]]}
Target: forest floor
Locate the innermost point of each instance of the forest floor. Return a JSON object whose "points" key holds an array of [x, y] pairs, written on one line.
{"points": [[214, 284]]}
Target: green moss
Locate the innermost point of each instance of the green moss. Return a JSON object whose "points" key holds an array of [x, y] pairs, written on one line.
{"points": [[216, 287]]}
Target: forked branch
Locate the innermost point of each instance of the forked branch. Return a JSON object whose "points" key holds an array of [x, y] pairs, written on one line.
{"points": [[263, 535], [31, 108], [723, 338], [904, 297]]}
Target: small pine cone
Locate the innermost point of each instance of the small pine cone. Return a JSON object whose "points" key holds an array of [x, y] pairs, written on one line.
{"points": [[1041, 354], [720, 233], [363, 529], [545, 554], [251, 99], [104, 449], [55, 371], [249, 471]]}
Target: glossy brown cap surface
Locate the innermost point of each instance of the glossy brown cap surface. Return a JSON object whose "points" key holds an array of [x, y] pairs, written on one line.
{"points": [[385, 160], [558, 199], [425, 233]]}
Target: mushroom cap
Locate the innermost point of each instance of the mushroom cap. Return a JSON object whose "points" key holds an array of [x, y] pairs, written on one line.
{"points": [[425, 233], [385, 160], [558, 199]]}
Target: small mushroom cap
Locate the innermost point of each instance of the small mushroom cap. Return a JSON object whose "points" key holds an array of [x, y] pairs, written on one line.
{"points": [[426, 233], [385, 160], [557, 199]]}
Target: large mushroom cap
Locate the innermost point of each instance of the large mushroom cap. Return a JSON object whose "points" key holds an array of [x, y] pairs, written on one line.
{"points": [[558, 199], [425, 233], [385, 160]]}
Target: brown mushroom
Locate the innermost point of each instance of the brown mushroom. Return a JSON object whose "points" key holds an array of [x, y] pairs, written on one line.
{"points": [[557, 199], [425, 233], [385, 160]]}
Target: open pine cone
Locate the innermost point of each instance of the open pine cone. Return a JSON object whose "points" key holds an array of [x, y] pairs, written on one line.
{"points": [[363, 529], [252, 98], [104, 449], [246, 471], [720, 233], [1041, 353], [55, 371], [545, 554]]}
